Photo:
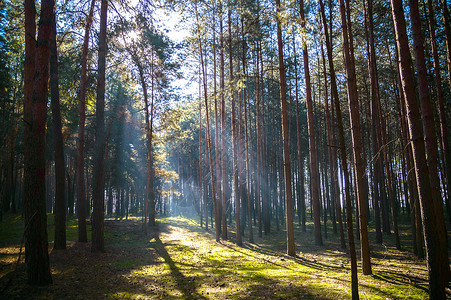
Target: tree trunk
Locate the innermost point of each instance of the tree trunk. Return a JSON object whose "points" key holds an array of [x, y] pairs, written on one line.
{"points": [[446, 22], [441, 106], [151, 194], [201, 194], [98, 243], [430, 139], [333, 163], [300, 181], [235, 137], [222, 218], [82, 235], [36, 244], [436, 282], [60, 201], [286, 148], [207, 129], [356, 138], [343, 158], [314, 167], [376, 122], [259, 141]]}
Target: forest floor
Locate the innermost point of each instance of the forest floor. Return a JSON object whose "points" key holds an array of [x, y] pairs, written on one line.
{"points": [[180, 260]]}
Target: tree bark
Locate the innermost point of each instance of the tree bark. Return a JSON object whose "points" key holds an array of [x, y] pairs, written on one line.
{"points": [[356, 138], [151, 195], [259, 141], [446, 22], [300, 181], [207, 129], [441, 106], [343, 158], [36, 244], [98, 242], [430, 139], [436, 283], [314, 165], [81, 200], [60, 201], [222, 218], [201, 192], [286, 147], [235, 137]]}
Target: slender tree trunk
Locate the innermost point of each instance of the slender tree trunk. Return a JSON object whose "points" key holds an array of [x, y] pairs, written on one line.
{"points": [[436, 283], [314, 167], [446, 21], [36, 244], [356, 138], [82, 235], [207, 129], [201, 194], [235, 137], [151, 194], [376, 128], [413, 190], [333, 162], [300, 187], [246, 142], [328, 157], [248, 164], [259, 142], [217, 121], [148, 137], [343, 158], [286, 148], [60, 201], [98, 243], [441, 106], [222, 219]]}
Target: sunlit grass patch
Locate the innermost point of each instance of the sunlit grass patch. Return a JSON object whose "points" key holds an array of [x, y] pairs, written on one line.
{"points": [[180, 260]]}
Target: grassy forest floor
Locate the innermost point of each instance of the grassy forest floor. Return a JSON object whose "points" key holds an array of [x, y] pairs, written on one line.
{"points": [[181, 260]]}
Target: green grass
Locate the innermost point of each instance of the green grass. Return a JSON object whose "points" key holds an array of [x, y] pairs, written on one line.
{"points": [[180, 260]]}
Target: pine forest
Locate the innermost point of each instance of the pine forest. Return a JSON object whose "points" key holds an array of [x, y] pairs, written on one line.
{"points": [[225, 149]]}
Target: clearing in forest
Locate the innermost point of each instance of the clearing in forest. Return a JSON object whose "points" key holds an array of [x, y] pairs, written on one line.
{"points": [[179, 260]]}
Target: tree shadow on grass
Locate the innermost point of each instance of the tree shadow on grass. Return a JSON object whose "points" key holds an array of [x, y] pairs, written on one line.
{"points": [[184, 284]]}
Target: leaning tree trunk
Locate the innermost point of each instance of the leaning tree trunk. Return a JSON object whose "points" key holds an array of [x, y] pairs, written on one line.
{"points": [[432, 243], [60, 182], [36, 244]]}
